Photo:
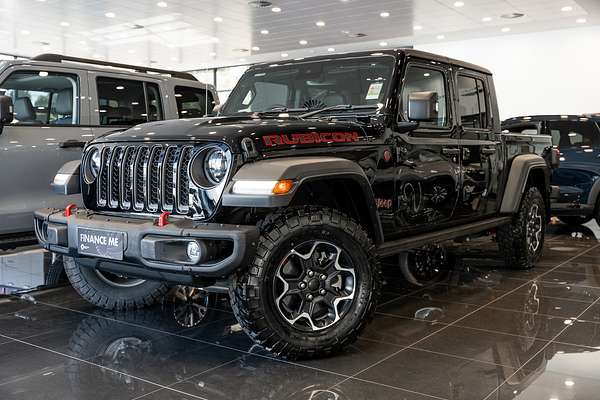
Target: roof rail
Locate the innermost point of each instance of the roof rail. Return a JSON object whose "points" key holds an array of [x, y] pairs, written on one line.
{"points": [[60, 58]]}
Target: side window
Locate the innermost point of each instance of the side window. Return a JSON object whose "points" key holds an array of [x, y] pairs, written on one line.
{"points": [[193, 102], [43, 98], [127, 102], [422, 80], [575, 134], [472, 106]]}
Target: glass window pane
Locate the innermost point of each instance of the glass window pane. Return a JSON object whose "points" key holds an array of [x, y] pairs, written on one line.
{"points": [[228, 77], [121, 101], [43, 98], [419, 79], [471, 102], [154, 105], [205, 76], [193, 102], [576, 134]]}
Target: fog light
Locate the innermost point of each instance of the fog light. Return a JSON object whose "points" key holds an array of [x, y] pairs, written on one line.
{"points": [[194, 252]]}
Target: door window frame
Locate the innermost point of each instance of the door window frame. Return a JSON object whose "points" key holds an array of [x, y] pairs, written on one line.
{"points": [[483, 79]]}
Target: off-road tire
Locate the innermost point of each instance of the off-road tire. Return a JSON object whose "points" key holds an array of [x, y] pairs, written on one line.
{"points": [[93, 289], [251, 295], [512, 238]]}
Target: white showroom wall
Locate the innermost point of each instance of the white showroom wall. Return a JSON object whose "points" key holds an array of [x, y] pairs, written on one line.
{"points": [[553, 72]]}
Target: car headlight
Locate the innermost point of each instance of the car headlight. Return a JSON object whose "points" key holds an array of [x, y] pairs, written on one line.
{"points": [[92, 165], [215, 166]]}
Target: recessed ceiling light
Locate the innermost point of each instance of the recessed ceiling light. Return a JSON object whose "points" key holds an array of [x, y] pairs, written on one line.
{"points": [[384, 14], [131, 51], [65, 24], [459, 3], [320, 23], [255, 48], [426, 74], [110, 15], [264, 32], [242, 60], [284, 55], [330, 49], [505, 29], [486, 19], [440, 37], [566, 9], [276, 9], [303, 42], [581, 20], [383, 44], [417, 27], [82, 42], [218, 19], [161, 4], [120, 88], [512, 15], [25, 32], [212, 54], [43, 73]]}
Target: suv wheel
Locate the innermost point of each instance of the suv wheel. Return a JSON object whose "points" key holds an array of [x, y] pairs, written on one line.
{"points": [[111, 291], [425, 266], [521, 242], [312, 286]]}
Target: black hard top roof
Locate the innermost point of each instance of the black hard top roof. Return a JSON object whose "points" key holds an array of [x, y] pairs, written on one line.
{"points": [[398, 53], [551, 117]]}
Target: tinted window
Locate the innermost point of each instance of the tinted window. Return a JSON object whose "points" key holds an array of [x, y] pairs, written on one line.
{"points": [[127, 102], [472, 106], [43, 98], [421, 79], [193, 102], [312, 85], [575, 134]]}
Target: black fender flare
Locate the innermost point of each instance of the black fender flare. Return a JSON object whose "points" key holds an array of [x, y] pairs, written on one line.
{"points": [[520, 170], [300, 170]]}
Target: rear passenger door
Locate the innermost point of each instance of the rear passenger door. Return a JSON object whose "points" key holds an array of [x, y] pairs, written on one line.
{"points": [[479, 155], [120, 102], [51, 126]]}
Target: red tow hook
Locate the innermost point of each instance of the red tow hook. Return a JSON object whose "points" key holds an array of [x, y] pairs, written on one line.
{"points": [[69, 210], [163, 218]]}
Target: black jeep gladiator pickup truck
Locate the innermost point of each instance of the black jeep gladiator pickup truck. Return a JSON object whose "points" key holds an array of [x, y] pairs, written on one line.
{"points": [[313, 171]]}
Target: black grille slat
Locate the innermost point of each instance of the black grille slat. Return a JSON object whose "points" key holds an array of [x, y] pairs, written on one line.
{"points": [[147, 178]]}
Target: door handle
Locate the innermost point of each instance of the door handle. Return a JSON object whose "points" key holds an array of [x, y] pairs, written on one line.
{"points": [[71, 143], [451, 151], [488, 151]]}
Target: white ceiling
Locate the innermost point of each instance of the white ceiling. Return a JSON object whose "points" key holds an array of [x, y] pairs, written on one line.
{"points": [[183, 34]]}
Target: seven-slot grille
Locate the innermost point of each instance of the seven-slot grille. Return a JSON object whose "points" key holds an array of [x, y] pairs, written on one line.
{"points": [[145, 178]]}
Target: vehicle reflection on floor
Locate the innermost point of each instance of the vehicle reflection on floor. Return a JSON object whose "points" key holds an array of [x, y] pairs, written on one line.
{"points": [[483, 332], [27, 268]]}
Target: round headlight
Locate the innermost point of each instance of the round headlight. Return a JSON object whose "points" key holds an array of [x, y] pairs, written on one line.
{"points": [[215, 166], [92, 165]]}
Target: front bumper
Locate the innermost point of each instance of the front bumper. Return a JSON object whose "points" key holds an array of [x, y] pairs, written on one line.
{"points": [[58, 233]]}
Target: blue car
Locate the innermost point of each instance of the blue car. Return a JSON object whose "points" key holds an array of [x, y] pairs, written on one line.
{"points": [[578, 140]]}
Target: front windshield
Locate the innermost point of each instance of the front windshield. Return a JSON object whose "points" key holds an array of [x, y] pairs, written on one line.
{"points": [[312, 85]]}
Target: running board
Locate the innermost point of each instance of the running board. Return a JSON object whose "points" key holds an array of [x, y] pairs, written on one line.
{"points": [[400, 245]]}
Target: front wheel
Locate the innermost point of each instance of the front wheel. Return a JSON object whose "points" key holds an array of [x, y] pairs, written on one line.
{"points": [[522, 241], [312, 286], [111, 291]]}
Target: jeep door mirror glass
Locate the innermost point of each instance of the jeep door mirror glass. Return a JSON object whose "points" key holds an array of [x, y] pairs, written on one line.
{"points": [[422, 106], [6, 110]]}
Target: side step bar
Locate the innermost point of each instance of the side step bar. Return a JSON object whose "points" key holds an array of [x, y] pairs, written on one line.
{"points": [[400, 245]]}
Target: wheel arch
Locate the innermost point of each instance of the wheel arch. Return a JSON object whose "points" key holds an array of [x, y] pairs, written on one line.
{"points": [[343, 181], [526, 170]]}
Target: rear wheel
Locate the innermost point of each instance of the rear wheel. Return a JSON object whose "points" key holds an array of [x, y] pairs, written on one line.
{"points": [[111, 291], [424, 266], [312, 286], [522, 241]]}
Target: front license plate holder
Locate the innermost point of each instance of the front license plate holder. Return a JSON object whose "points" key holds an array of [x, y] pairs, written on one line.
{"points": [[100, 243]]}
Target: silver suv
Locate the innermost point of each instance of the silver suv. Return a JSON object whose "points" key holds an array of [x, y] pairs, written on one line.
{"points": [[51, 105]]}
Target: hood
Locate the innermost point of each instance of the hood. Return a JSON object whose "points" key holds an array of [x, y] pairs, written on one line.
{"points": [[267, 133]]}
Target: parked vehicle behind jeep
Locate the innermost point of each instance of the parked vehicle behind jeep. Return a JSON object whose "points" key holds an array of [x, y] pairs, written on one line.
{"points": [[313, 171], [60, 103], [578, 177]]}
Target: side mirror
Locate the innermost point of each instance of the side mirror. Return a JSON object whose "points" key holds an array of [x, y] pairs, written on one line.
{"points": [[7, 111], [422, 106]]}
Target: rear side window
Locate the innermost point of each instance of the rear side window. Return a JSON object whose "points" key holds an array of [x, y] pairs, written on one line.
{"points": [[193, 102], [127, 102], [43, 97], [575, 134], [472, 106]]}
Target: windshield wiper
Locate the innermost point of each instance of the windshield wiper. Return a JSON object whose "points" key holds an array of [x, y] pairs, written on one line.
{"points": [[339, 107]]}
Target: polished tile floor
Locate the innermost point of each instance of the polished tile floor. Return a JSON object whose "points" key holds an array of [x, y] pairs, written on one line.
{"points": [[483, 333]]}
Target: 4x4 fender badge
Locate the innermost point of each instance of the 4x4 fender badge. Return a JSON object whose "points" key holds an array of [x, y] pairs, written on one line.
{"points": [[310, 138]]}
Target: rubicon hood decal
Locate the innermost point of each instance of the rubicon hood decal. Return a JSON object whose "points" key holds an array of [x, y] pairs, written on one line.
{"points": [[310, 138]]}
